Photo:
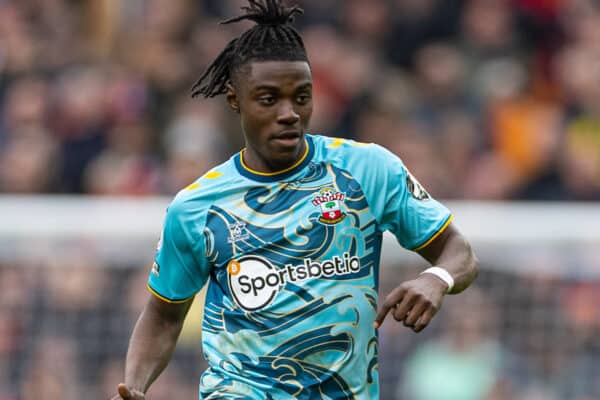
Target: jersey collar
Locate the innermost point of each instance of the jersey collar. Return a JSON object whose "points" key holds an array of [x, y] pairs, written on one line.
{"points": [[247, 172]]}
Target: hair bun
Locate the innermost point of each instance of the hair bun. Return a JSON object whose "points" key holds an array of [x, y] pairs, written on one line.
{"points": [[274, 38], [267, 12]]}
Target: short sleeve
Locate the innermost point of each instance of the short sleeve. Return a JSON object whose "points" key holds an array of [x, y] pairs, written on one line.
{"points": [[180, 267], [399, 202]]}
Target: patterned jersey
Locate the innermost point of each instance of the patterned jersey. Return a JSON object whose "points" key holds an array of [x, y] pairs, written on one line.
{"points": [[291, 260]]}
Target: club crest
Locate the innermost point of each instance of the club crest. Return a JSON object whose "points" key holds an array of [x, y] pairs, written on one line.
{"points": [[330, 203]]}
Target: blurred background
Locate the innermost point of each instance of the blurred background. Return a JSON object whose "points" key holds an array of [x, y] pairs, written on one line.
{"points": [[493, 104]]}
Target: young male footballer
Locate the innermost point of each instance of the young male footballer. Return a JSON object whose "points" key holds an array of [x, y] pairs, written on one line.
{"points": [[287, 234]]}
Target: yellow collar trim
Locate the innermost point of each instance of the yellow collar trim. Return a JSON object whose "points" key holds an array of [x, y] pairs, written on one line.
{"points": [[300, 161]]}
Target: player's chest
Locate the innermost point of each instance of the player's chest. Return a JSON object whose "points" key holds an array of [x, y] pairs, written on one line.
{"points": [[292, 219], [287, 221]]}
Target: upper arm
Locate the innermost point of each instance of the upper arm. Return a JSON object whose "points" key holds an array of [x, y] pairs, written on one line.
{"points": [[434, 250], [170, 313], [180, 267], [399, 202]]}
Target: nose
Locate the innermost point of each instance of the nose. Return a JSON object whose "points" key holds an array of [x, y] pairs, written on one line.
{"points": [[287, 115]]}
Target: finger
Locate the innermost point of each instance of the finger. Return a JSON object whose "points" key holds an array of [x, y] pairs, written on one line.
{"points": [[383, 311], [404, 307], [124, 391], [415, 313], [390, 301], [425, 319]]}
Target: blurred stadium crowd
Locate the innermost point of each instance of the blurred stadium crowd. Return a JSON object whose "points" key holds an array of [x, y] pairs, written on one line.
{"points": [[483, 99]]}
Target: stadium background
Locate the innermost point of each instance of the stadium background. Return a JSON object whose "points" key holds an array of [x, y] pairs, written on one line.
{"points": [[485, 100]]}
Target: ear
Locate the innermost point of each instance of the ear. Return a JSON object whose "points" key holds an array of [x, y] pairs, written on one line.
{"points": [[232, 98]]}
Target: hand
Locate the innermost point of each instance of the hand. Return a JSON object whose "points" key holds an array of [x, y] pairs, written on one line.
{"points": [[414, 302], [125, 393]]}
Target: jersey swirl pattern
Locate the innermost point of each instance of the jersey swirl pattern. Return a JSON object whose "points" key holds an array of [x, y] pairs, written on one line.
{"points": [[291, 261]]}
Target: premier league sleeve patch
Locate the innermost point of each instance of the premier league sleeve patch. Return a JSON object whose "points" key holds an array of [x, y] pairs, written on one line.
{"points": [[155, 268], [415, 188]]}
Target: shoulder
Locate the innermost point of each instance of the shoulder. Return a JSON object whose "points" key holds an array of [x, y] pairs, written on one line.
{"points": [[350, 153], [203, 192]]}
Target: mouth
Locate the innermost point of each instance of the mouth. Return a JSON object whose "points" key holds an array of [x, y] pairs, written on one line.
{"points": [[289, 138]]}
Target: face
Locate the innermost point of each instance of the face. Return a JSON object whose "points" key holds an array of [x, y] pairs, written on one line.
{"points": [[274, 99]]}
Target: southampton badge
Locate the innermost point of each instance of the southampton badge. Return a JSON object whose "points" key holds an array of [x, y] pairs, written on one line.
{"points": [[330, 202]]}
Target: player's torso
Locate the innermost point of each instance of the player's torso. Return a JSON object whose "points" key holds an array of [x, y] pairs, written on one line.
{"points": [[292, 292]]}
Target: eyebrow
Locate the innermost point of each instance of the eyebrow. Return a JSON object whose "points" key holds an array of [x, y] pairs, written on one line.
{"points": [[274, 88], [304, 86], [265, 87]]}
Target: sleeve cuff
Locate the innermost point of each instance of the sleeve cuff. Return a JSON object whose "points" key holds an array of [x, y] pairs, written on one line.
{"points": [[166, 299], [435, 235]]}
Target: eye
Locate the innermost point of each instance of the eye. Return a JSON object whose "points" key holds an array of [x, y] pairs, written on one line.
{"points": [[267, 100], [303, 98]]}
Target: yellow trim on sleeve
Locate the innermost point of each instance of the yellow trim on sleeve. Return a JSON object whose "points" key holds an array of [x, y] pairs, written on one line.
{"points": [[247, 168], [337, 142], [435, 235], [212, 175], [165, 299], [193, 186]]}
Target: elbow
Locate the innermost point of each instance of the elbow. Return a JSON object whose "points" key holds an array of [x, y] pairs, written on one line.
{"points": [[473, 265]]}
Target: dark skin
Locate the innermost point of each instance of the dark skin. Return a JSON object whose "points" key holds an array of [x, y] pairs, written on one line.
{"points": [[415, 302], [151, 345], [274, 100]]}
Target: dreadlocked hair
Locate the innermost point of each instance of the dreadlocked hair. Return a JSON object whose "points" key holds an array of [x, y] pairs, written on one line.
{"points": [[272, 39]]}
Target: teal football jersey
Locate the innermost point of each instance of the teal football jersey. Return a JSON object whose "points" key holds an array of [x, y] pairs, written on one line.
{"points": [[291, 260]]}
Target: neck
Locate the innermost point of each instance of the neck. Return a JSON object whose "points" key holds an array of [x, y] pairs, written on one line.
{"points": [[253, 160]]}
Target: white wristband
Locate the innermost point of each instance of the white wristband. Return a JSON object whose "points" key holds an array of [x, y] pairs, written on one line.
{"points": [[442, 274]]}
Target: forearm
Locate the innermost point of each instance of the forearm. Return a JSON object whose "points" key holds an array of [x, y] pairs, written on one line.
{"points": [[453, 252], [460, 261], [150, 348]]}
